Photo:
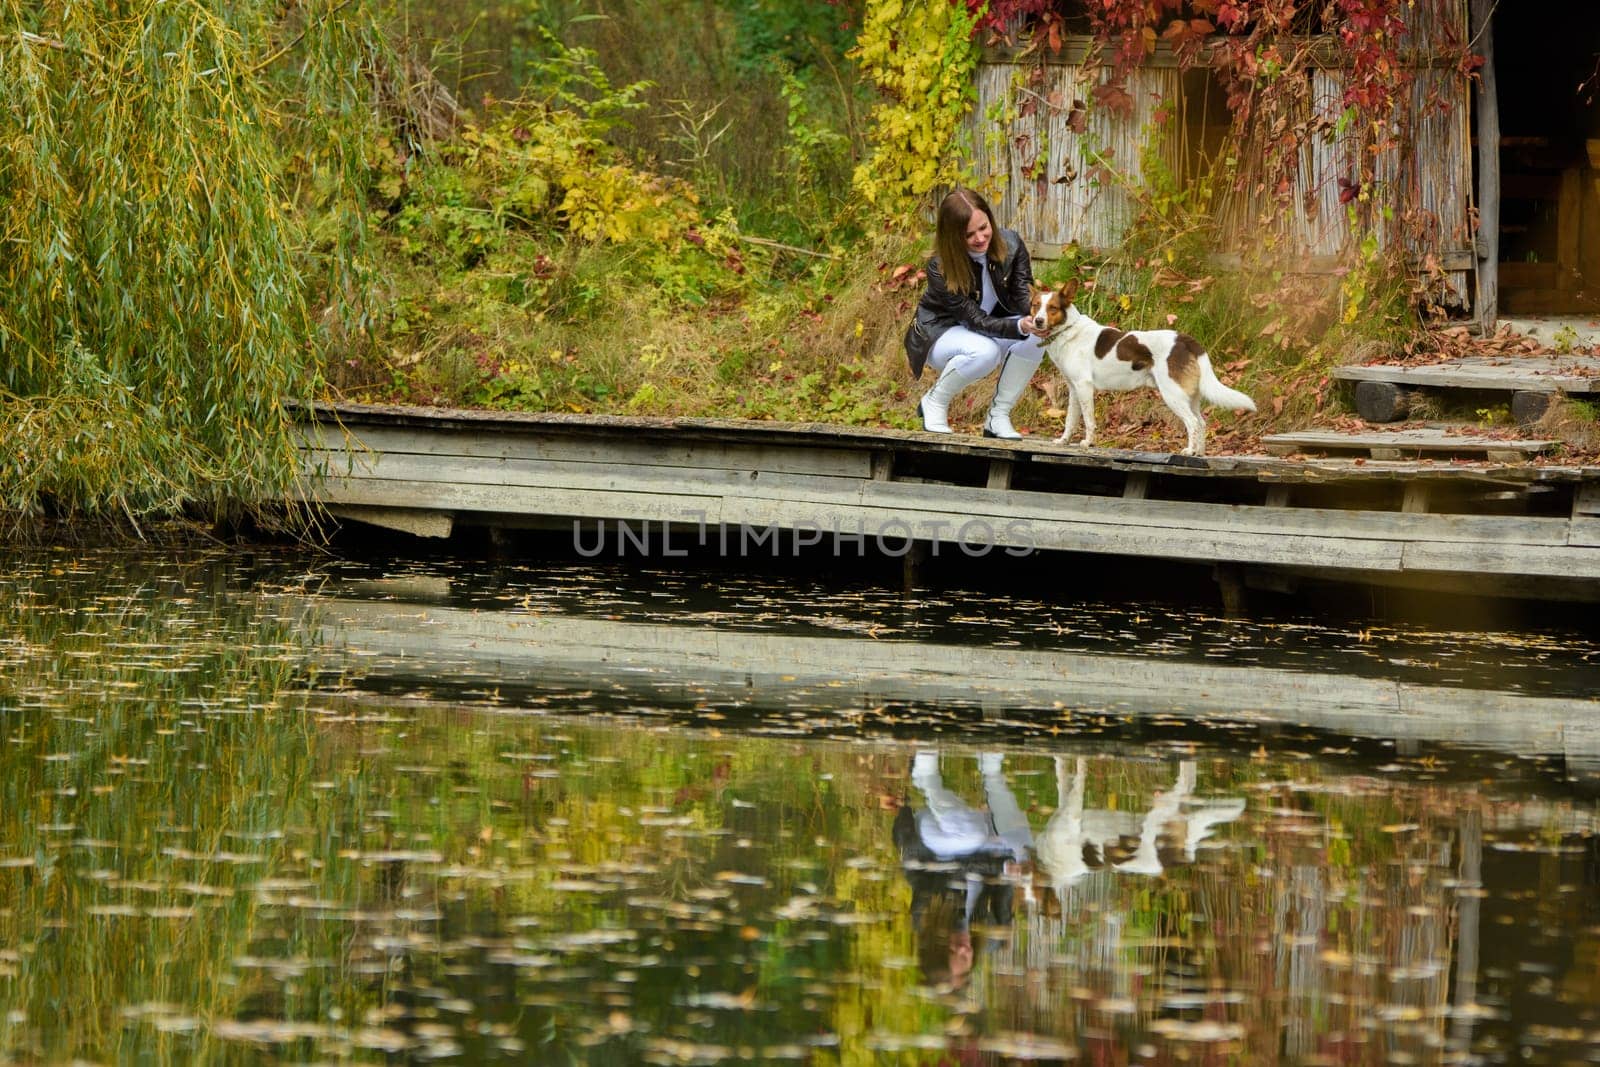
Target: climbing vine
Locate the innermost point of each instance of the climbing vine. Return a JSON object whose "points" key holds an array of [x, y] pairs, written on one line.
{"points": [[921, 54], [1251, 40]]}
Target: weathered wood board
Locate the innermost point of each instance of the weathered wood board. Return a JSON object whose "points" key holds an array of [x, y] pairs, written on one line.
{"points": [[1567, 374], [1396, 444]]}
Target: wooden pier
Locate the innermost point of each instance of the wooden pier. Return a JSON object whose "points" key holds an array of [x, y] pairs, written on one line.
{"points": [[1492, 528]]}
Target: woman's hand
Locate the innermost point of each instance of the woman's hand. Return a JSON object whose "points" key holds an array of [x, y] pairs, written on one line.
{"points": [[1025, 324]]}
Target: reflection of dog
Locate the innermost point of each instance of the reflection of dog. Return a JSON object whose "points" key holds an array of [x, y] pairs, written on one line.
{"points": [[1076, 841], [1091, 356]]}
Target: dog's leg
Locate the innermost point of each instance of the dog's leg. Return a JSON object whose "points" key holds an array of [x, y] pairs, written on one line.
{"points": [[1071, 426], [1197, 435], [1184, 407], [1084, 391]]}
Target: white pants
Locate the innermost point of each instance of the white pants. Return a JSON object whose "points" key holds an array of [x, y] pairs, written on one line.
{"points": [[952, 828], [976, 355]]}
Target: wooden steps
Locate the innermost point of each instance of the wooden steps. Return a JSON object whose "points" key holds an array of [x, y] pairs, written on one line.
{"points": [[1381, 390], [1405, 444]]}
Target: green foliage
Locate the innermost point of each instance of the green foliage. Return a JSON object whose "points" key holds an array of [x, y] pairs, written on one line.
{"points": [[541, 163], [712, 66], [813, 149], [793, 36], [1564, 341], [921, 56], [153, 323], [1584, 410], [519, 245]]}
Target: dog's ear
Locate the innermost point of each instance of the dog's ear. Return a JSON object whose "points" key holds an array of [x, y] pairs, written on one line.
{"points": [[1068, 290]]}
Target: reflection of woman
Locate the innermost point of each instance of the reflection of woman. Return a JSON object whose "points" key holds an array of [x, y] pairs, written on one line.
{"points": [[972, 317], [955, 856]]}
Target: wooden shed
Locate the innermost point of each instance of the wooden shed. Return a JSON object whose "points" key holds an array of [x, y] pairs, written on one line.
{"points": [[1492, 182]]}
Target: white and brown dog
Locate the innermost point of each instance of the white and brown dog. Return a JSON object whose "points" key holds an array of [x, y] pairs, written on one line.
{"points": [[1091, 356]]}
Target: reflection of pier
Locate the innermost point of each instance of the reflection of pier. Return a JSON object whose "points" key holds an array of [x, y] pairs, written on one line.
{"points": [[1513, 529], [1246, 930], [433, 646]]}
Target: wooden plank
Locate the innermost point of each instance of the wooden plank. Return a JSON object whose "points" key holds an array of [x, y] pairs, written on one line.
{"points": [[1138, 528], [1586, 515], [944, 501], [1028, 505], [686, 508], [1554, 588], [1585, 532], [1586, 499], [1000, 473], [1485, 558], [356, 466], [357, 417], [1571, 374], [1434, 173], [1100, 458], [750, 521], [1334, 470], [1568, 227], [1399, 441], [496, 445], [951, 499], [413, 521]]}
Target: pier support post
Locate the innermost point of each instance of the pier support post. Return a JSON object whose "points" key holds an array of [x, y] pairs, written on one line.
{"points": [[1230, 582], [1528, 406], [912, 567], [1380, 401]]}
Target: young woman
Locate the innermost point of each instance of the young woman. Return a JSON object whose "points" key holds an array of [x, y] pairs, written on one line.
{"points": [[972, 317]]}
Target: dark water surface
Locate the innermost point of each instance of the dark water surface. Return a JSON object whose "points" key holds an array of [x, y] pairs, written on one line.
{"points": [[287, 807]]}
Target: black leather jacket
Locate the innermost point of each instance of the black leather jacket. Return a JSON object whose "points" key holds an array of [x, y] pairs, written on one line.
{"points": [[939, 309]]}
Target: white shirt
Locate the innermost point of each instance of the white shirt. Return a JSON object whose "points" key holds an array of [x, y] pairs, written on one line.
{"points": [[989, 298]]}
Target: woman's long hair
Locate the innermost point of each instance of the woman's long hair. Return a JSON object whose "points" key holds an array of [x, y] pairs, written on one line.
{"points": [[950, 239]]}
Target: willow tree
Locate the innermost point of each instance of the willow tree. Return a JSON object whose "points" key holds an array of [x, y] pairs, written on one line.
{"points": [[154, 325]]}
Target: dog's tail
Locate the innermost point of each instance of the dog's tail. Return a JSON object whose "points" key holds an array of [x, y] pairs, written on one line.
{"points": [[1212, 391]]}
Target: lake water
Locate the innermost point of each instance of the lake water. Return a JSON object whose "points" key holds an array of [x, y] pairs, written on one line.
{"points": [[282, 806]]}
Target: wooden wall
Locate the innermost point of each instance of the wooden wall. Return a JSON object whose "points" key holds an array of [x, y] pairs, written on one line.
{"points": [[1421, 193], [1085, 191]]}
